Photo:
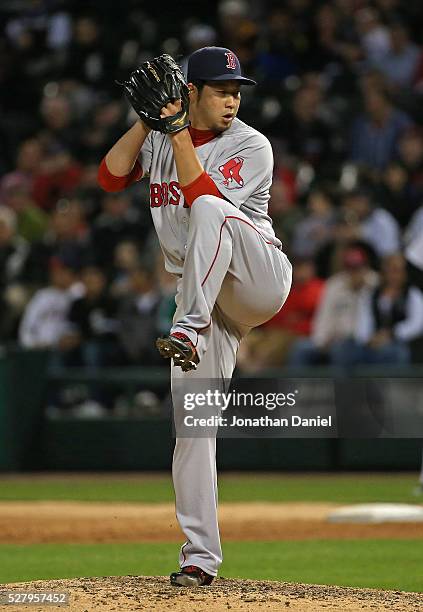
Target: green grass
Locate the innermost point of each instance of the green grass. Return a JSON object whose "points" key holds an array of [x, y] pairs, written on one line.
{"points": [[342, 488], [378, 564]]}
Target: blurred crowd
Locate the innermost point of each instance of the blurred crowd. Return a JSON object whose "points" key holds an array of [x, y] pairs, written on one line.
{"points": [[340, 97]]}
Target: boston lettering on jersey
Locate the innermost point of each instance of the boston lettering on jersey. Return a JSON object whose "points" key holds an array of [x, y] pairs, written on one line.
{"points": [[162, 194]]}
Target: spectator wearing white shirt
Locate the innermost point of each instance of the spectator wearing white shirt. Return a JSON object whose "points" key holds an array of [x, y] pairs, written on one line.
{"points": [[44, 323], [376, 226], [414, 229], [336, 318]]}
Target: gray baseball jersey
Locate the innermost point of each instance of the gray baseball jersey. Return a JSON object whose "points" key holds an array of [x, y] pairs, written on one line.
{"points": [[240, 161], [233, 276]]}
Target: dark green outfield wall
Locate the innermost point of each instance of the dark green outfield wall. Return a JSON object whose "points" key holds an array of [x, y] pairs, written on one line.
{"points": [[139, 445], [28, 441], [22, 391]]}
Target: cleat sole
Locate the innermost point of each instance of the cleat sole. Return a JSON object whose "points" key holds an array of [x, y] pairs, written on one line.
{"points": [[169, 351]]}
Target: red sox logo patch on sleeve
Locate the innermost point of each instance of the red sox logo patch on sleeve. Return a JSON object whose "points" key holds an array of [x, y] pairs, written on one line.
{"points": [[231, 172]]}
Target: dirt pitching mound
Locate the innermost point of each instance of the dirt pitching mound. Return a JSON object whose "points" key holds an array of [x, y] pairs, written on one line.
{"points": [[152, 594]]}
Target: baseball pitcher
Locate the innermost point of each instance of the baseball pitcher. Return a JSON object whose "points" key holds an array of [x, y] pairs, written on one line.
{"points": [[210, 176]]}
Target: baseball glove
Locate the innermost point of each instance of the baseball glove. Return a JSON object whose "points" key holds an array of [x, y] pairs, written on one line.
{"points": [[153, 85]]}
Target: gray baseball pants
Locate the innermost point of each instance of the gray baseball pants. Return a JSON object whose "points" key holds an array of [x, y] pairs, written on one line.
{"points": [[233, 280]]}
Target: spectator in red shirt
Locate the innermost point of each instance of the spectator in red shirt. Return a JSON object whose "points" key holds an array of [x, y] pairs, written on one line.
{"points": [[267, 346], [297, 314], [59, 176]]}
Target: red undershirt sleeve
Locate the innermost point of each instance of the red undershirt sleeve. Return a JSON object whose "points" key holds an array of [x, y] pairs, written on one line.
{"points": [[111, 183], [203, 185]]}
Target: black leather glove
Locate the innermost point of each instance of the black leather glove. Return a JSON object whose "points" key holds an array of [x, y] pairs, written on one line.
{"points": [[151, 87]]}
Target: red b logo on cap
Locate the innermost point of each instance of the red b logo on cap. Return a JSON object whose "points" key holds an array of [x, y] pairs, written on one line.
{"points": [[231, 60]]}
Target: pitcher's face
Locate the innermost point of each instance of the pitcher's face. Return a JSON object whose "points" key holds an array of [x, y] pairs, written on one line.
{"points": [[215, 106]]}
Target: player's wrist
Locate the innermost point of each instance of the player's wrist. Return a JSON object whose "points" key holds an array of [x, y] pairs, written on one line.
{"points": [[181, 138], [140, 123]]}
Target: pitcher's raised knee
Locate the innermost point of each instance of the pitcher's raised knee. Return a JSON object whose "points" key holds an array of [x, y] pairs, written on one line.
{"points": [[211, 206]]}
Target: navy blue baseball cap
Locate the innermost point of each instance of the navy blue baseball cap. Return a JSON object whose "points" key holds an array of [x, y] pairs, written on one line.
{"points": [[215, 64]]}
